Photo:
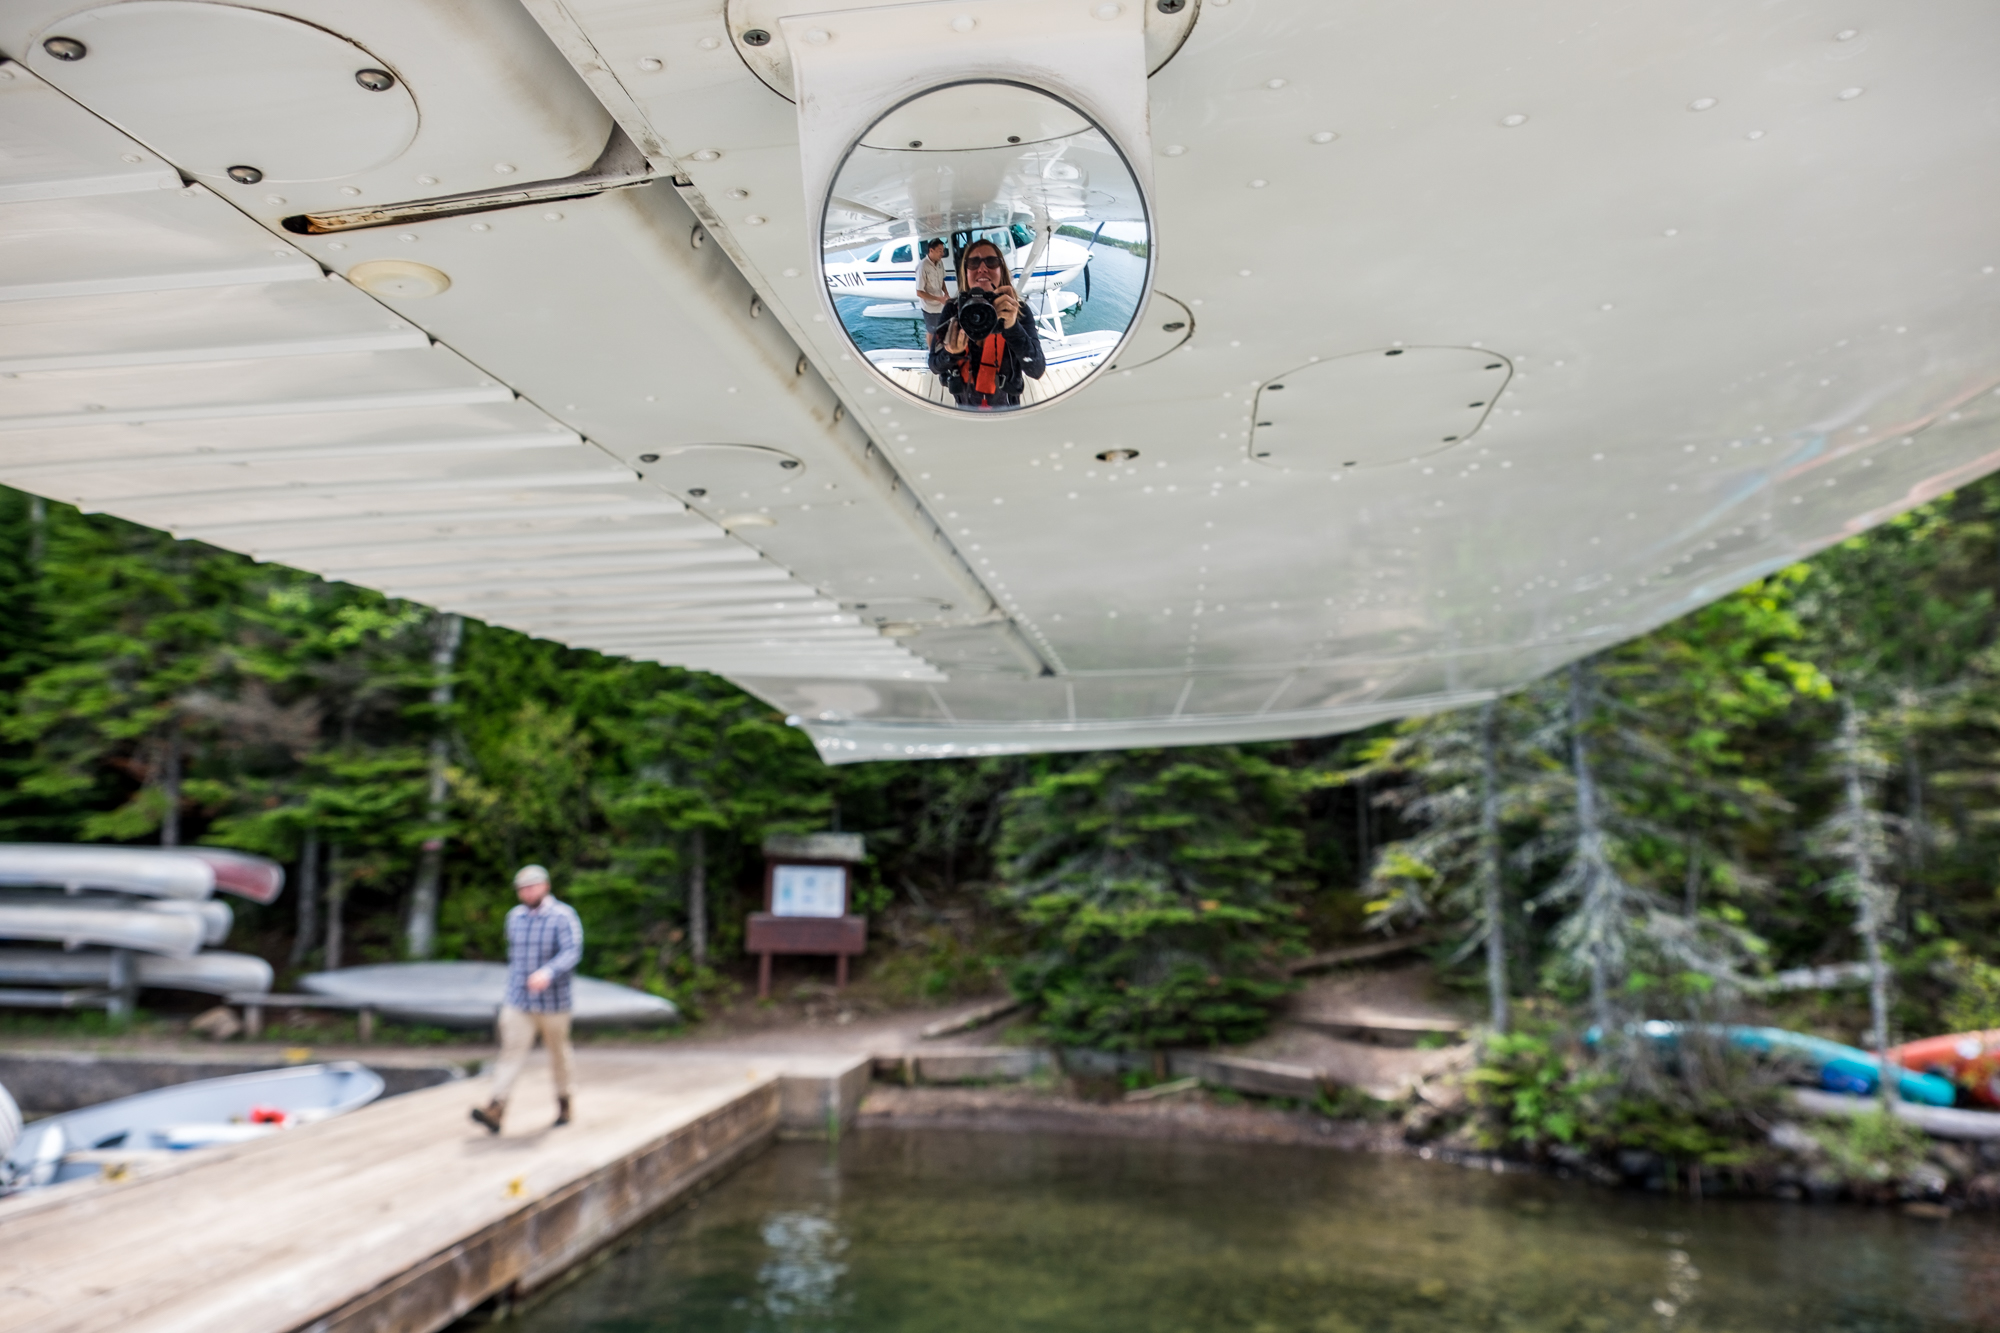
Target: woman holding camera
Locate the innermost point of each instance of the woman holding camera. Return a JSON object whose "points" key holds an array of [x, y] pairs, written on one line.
{"points": [[986, 347]]}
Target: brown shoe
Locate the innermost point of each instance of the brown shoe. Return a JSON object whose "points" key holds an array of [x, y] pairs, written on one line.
{"points": [[562, 1110], [489, 1115]]}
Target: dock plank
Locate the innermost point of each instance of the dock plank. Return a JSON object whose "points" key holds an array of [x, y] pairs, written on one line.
{"points": [[376, 1220]]}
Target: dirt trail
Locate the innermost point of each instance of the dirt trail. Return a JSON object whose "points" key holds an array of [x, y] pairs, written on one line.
{"points": [[1361, 1029]]}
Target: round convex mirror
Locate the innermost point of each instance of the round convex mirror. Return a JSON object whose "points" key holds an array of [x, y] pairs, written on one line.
{"points": [[986, 247]]}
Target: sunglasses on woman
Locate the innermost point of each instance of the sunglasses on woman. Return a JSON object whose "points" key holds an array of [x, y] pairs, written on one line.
{"points": [[985, 261]]}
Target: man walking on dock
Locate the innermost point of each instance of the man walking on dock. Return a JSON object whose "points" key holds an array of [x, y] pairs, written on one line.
{"points": [[544, 945]]}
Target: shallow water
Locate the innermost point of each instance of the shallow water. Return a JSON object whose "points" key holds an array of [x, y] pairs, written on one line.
{"points": [[934, 1232]]}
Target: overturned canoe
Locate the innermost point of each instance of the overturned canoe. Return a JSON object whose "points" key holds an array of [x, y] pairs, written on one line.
{"points": [[1942, 1122], [187, 1115], [191, 873], [1969, 1059], [469, 994], [210, 973], [164, 873], [216, 918], [76, 923], [10, 1123], [1839, 1067], [257, 878]]}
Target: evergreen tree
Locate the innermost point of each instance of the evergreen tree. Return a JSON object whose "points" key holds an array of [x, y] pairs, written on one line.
{"points": [[1856, 836], [1458, 778], [1157, 888], [1596, 821]]}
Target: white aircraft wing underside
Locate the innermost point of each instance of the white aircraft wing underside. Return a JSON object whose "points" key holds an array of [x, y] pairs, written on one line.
{"points": [[1503, 334]]}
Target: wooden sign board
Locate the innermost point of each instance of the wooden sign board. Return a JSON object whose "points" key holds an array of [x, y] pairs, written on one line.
{"points": [[806, 884]]}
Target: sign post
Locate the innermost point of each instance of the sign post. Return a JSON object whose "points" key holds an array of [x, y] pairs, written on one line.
{"points": [[807, 885]]}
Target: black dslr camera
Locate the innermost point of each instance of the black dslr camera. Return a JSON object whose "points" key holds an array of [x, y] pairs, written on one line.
{"points": [[976, 315]]}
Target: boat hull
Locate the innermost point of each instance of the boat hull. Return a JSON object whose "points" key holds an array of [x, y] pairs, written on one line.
{"points": [[75, 924], [192, 873], [1969, 1059], [257, 878], [189, 1115], [136, 870], [469, 994], [1840, 1068], [207, 973]]}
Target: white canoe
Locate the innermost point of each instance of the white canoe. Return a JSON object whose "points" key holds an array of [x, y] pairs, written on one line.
{"points": [[188, 1115], [469, 994], [216, 918], [192, 873], [211, 973], [76, 923], [10, 1123], [162, 873]]}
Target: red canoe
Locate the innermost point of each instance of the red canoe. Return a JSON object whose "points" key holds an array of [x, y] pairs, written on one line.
{"points": [[1969, 1059]]}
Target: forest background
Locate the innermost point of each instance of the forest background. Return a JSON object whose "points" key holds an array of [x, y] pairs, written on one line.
{"points": [[1806, 771]]}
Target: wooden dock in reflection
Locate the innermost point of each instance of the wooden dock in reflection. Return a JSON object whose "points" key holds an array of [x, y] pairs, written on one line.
{"points": [[404, 1215], [931, 389]]}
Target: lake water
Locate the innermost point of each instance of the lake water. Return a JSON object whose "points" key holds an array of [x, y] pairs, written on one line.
{"points": [[1116, 279], [938, 1232]]}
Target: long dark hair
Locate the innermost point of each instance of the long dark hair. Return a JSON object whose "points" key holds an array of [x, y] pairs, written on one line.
{"points": [[1006, 274]]}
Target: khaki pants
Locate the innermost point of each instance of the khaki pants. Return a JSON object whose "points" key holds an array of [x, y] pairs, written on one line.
{"points": [[518, 1030]]}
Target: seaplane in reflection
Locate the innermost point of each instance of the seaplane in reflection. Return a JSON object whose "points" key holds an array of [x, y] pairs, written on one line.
{"points": [[1042, 275], [889, 271]]}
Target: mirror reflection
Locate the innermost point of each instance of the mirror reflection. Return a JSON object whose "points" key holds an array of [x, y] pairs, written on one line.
{"points": [[985, 247]]}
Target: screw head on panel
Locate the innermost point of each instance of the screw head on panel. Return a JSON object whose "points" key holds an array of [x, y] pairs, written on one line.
{"points": [[375, 80], [756, 37], [245, 175], [65, 48]]}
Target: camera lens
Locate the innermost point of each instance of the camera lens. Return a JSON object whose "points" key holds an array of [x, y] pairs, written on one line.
{"points": [[976, 315]]}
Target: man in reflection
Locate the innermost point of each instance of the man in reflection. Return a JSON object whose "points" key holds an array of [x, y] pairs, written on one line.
{"points": [[930, 289], [986, 348]]}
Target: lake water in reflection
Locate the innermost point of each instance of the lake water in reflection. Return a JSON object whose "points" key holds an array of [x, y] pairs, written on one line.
{"points": [[996, 1233]]}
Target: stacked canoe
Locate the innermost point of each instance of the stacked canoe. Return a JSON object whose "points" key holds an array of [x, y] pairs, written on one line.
{"points": [[1971, 1060], [87, 926], [469, 994]]}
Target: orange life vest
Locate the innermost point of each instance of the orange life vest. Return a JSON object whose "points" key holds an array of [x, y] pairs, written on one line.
{"points": [[980, 367]]}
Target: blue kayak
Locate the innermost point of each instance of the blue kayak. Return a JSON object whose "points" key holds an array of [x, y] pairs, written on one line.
{"points": [[1841, 1068]]}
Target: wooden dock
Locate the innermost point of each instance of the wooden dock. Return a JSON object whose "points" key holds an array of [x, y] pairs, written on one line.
{"points": [[403, 1216], [931, 389]]}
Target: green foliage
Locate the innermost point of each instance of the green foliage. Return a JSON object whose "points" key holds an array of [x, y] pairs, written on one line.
{"points": [[1534, 1090], [1872, 1148], [1139, 900], [295, 705], [1156, 887], [937, 962], [1973, 1004]]}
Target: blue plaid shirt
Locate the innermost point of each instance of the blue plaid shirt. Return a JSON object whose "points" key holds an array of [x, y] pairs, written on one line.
{"points": [[549, 936]]}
